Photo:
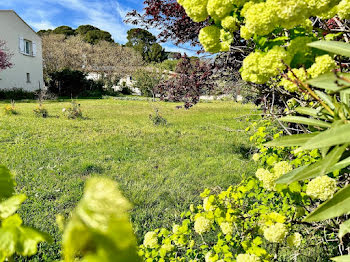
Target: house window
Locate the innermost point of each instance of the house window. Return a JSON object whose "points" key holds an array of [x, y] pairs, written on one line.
{"points": [[28, 47], [28, 77]]}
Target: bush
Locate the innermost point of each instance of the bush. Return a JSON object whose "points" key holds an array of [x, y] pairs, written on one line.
{"points": [[40, 111], [73, 83], [157, 118], [73, 111], [10, 109], [16, 94], [147, 81]]}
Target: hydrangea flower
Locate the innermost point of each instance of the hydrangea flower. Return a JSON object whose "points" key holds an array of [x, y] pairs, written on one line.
{"points": [[323, 64], [229, 23], [276, 233], [267, 178], [247, 258], [256, 157], [322, 187], [294, 240], [209, 37], [218, 9], [226, 228], [282, 168], [196, 9], [291, 86], [202, 225], [151, 240]]}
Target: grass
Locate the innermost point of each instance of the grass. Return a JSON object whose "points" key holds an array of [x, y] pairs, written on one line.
{"points": [[160, 169]]}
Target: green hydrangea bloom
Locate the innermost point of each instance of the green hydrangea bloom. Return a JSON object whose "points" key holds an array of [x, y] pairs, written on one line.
{"points": [[226, 228], [323, 64], [256, 157], [317, 7], [218, 9], [230, 23], [209, 37], [282, 168], [196, 9], [322, 187], [247, 258], [151, 240], [294, 240], [276, 233], [291, 86], [202, 225], [259, 67]]}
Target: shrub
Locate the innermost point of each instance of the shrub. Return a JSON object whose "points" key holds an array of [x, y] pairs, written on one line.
{"points": [[10, 109], [41, 111], [147, 81], [157, 118], [16, 94], [73, 111], [73, 83]]}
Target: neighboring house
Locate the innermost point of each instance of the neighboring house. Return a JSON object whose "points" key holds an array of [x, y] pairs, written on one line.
{"points": [[25, 46]]}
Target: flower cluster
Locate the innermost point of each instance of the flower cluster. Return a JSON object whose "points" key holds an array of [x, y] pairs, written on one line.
{"points": [[322, 187], [276, 233], [294, 240], [247, 258], [259, 67]]}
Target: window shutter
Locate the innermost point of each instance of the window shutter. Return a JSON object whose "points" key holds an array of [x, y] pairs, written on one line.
{"points": [[21, 45], [34, 49]]}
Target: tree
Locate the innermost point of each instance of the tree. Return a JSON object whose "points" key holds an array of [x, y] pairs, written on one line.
{"points": [[83, 29], [74, 53], [170, 18], [191, 80], [145, 43], [95, 36], [5, 56], [64, 30]]}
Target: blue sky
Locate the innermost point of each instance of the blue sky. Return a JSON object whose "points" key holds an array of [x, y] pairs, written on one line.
{"points": [[107, 15]]}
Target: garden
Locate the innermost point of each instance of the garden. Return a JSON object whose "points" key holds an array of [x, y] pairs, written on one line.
{"points": [[176, 178]]}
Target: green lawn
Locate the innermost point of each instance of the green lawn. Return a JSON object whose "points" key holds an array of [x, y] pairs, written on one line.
{"points": [[160, 169]]}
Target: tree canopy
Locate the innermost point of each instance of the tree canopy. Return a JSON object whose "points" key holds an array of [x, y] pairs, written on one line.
{"points": [[145, 43]]}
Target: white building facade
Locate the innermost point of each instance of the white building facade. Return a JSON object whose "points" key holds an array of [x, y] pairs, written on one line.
{"points": [[26, 49]]}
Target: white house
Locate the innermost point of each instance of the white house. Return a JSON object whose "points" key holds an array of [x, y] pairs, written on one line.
{"points": [[25, 46]]}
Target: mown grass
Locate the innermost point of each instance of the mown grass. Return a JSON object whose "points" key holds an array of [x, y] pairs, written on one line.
{"points": [[160, 169]]}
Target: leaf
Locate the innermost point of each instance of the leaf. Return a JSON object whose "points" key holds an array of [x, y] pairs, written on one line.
{"points": [[305, 121], [294, 140], [336, 47], [334, 136], [334, 207], [314, 170], [307, 111], [340, 165], [9, 206], [341, 259], [100, 228], [326, 98], [17, 239], [7, 183], [344, 229], [330, 82]]}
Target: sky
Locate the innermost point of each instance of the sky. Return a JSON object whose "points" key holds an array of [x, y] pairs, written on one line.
{"points": [[107, 15]]}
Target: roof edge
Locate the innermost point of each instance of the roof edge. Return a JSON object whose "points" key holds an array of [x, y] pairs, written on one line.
{"points": [[13, 11]]}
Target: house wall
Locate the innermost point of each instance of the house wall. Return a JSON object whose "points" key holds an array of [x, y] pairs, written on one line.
{"points": [[11, 29]]}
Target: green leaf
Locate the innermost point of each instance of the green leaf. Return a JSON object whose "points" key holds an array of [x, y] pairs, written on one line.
{"points": [[100, 228], [7, 183], [336, 47], [334, 207], [307, 111], [10, 206], [305, 121], [326, 98], [17, 239], [294, 140], [334, 136], [344, 229], [341, 259], [330, 82], [314, 170], [340, 165]]}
